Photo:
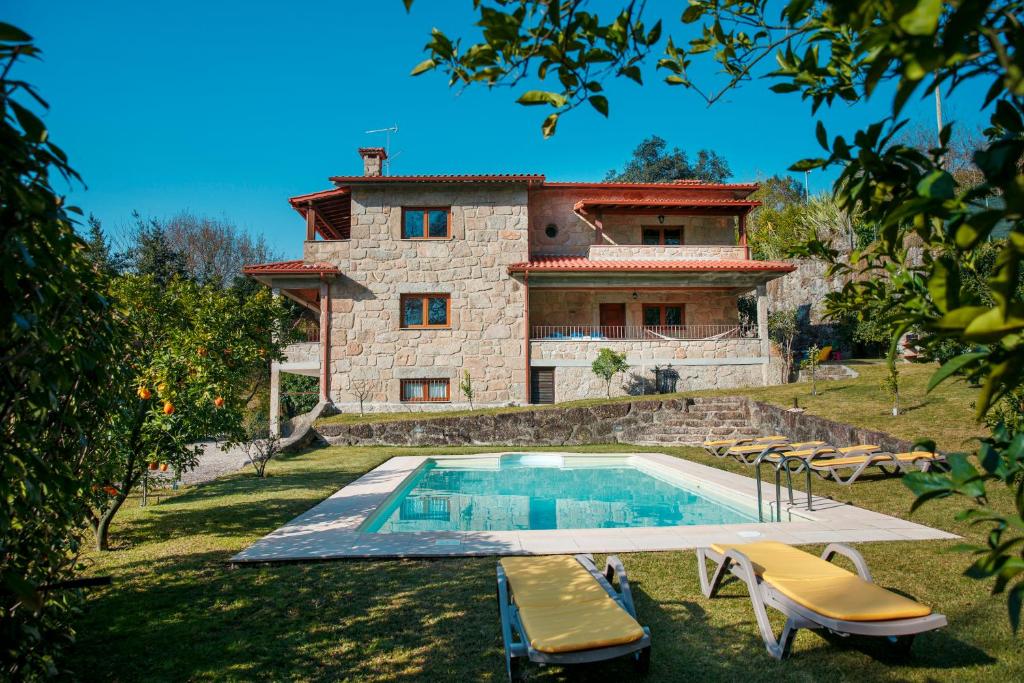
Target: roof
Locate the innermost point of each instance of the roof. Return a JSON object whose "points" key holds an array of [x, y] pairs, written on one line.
{"points": [[582, 264], [333, 211], [529, 178], [683, 182], [668, 205], [297, 267]]}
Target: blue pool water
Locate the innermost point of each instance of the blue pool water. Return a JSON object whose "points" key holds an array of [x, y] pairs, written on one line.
{"points": [[539, 491]]}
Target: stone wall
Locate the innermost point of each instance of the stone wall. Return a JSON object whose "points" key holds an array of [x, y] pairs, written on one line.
{"points": [[687, 421], [489, 228], [302, 352], [641, 421], [800, 426], [804, 289]]}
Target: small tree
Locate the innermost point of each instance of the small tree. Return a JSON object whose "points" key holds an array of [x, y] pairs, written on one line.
{"points": [[811, 364], [362, 389], [782, 330], [466, 387], [607, 365], [891, 386], [259, 444]]}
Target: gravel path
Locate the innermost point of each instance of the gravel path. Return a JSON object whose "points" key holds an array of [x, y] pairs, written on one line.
{"points": [[213, 462]]}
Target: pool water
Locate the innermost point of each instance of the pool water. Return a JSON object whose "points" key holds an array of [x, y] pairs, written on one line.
{"points": [[544, 491]]}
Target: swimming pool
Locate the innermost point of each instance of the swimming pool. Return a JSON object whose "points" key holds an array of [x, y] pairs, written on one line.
{"points": [[535, 491]]}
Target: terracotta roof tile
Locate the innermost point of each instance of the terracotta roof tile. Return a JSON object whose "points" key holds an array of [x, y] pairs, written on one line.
{"points": [[442, 178], [579, 263], [297, 267]]}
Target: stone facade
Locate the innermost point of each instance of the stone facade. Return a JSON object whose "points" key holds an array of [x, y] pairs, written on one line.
{"points": [[356, 285], [486, 333]]}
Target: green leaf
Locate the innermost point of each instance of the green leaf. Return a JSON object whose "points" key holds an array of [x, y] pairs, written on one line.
{"points": [[424, 66], [600, 103], [534, 97], [548, 127], [692, 14], [822, 135], [923, 19], [937, 185], [953, 366], [13, 34]]}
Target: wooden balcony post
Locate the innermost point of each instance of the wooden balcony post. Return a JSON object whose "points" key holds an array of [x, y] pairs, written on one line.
{"points": [[599, 224], [325, 341], [310, 223]]}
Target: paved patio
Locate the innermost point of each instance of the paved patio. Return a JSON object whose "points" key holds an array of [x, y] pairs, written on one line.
{"points": [[330, 530]]}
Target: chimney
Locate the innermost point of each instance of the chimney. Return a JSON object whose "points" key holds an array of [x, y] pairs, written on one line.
{"points": [[373, 161]]}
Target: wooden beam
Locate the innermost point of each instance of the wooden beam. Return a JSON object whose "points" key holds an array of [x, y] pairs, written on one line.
{"points": [[310, 223], [599, 224]]}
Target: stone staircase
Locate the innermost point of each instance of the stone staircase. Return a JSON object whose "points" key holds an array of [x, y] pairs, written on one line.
{"points": [[704, 418]]}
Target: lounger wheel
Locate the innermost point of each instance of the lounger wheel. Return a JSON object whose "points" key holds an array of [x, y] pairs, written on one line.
{"points": [[901, 645], [642, 660]]}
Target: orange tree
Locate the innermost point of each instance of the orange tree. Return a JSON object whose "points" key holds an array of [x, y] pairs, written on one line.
{"points": [[190, 355], [561, 53]]}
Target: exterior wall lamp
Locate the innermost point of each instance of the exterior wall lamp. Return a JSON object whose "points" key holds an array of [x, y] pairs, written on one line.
{"points": [[661, 219]]}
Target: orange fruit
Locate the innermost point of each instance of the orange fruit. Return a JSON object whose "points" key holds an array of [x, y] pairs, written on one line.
{"points": [[162, 387], [219, 401], [168, 408], [144, 393]]}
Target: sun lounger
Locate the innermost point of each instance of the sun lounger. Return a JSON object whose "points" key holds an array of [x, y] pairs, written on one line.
{"points": [[820, 453], [748, 454], [719, 447], [813, 593], [562, 610], [848, 469]]}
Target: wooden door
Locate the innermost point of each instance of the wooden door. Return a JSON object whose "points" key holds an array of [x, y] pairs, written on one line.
{"points": [[542, 385], [613, 320]]}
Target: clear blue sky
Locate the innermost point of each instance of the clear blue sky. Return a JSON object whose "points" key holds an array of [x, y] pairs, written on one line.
{"points": [[227, 108]]}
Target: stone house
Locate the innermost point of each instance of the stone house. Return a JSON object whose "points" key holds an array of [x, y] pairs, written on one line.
{"points": [[410, 281]]}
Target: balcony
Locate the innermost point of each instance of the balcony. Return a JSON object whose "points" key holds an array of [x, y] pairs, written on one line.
{"points": [[656, 333]]}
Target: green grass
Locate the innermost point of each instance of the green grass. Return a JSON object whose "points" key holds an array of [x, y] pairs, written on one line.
{"points": [[176, 611], [945, 414]]}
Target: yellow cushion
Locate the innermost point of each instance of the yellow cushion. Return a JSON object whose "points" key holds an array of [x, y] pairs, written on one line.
{"points": [[917, 455], [758, 439], [852, 461], [823, 587], [866, 448], [562, 607]]}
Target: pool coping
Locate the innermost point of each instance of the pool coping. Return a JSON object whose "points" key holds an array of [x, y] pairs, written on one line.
{"points": [[330, 530]]}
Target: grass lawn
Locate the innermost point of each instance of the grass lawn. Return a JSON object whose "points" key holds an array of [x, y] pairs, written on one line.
{"points": [[177, 612], [945, 414]]}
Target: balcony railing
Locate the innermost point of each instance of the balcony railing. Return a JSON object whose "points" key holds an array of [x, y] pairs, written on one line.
{"points": [[641, 332]]}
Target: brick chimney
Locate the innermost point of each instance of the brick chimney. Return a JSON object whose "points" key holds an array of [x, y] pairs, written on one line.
{"points": [[373, 161]]}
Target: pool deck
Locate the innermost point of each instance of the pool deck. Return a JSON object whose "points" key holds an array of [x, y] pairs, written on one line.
{"points": [[330, 530]]}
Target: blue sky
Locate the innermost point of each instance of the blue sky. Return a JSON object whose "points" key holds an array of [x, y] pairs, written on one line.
{"points": [[227, 108]]}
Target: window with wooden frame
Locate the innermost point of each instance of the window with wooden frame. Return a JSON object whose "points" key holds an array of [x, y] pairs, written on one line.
{"points": [[426, 223], [426, 390], [426, 310], [664, 315], [670, 236]]}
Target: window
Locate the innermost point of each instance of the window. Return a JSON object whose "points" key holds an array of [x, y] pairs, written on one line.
{"points": [[426, 390], [426, 224], [667, 237], [425, 310], [664, 315]]}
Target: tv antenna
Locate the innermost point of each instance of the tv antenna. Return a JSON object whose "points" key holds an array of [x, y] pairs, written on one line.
{"points": [[387, 145]]}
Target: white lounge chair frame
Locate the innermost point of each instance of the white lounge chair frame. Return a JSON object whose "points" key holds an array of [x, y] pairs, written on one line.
{"points": [[763, 595], [517, 643]]}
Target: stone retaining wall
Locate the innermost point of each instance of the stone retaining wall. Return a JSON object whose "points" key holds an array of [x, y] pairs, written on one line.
{"points": [[630, 422], [677, 422], [800, 426]]}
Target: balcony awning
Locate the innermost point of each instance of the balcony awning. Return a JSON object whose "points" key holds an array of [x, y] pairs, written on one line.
{"points": [[696, 206], [573, 264], [577, 271], [297, 280], [333, 211]]}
